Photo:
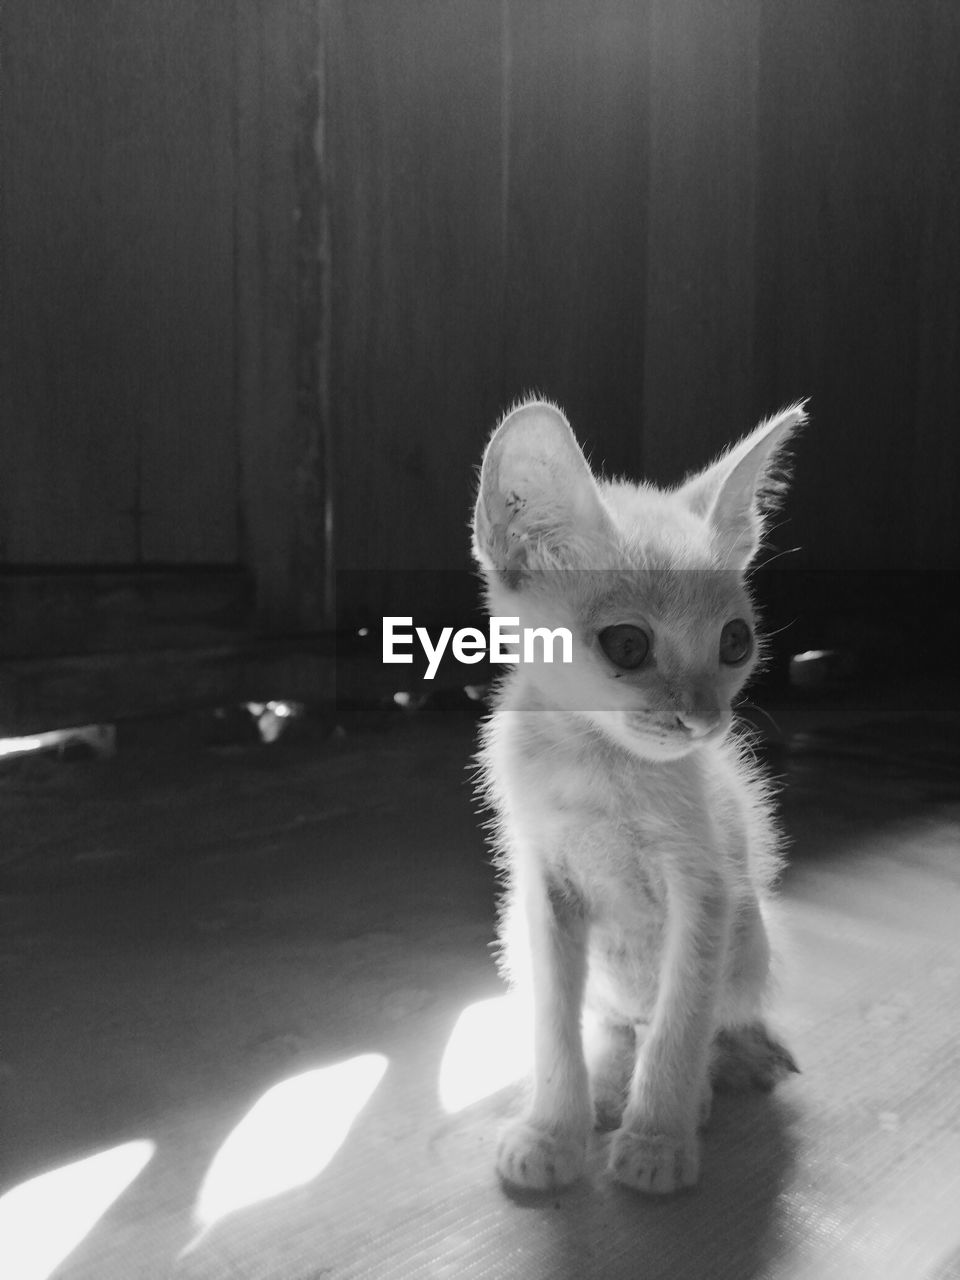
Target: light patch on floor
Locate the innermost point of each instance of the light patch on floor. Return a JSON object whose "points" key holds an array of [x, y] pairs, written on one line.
{"points": [[489, 1048], [43, 1220], [288, 1137]]}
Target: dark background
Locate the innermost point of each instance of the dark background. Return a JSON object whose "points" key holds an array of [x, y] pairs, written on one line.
{"points": [[271, 270]]}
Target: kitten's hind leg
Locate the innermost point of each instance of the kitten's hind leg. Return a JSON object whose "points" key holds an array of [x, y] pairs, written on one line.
{"points": [[611, 1051], [744, 1055], [748, 1057]]}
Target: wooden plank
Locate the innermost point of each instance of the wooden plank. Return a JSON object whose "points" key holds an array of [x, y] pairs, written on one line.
{"points": [[280, 282], [576, 80], [90, 612], [117, 329], [313, 562], [698, 345], [413, 136]]}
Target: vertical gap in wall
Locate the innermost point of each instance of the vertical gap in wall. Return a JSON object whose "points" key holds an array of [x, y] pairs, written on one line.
{"points": [[241, 524], [750, 398], [645, 136], [765, 251], [328, 602], [506, 78]]}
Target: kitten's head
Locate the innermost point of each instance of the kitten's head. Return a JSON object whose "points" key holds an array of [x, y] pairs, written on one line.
{"points": [[648, 581]]}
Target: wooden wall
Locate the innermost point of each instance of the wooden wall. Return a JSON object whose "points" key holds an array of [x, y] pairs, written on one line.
{"points": [[272, 269]]}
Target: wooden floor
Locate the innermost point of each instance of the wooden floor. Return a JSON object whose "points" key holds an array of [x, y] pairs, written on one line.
{"points": [[185, 928]]}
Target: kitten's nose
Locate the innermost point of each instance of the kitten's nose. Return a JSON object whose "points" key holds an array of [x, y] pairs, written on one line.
{"points": [[698, 726]]}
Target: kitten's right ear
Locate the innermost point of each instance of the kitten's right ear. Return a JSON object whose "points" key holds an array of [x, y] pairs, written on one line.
{"points": [[538, 499], [737, 493]]}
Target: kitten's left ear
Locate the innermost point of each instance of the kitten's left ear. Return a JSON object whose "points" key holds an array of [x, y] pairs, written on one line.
{"points": [[538, 505], [743, 486]]}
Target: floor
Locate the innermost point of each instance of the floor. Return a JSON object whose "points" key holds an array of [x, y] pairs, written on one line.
{"points": [[187, 926]]}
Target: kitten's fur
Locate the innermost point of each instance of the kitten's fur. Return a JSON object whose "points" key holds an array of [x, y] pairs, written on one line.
{"points": [[635, 838]]}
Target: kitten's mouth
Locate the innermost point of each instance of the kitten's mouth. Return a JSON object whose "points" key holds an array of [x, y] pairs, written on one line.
{"points": [[673, 739], [697, 734], [658, 740]]}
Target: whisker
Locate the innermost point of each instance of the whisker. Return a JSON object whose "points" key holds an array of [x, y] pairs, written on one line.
{"points": [[768, 635], [787, 551], [753, 707]]}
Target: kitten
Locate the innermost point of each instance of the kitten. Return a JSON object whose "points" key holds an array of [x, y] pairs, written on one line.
{"points": [[635, 838]]}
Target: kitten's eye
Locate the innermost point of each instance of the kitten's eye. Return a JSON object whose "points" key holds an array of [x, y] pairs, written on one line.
{"points": [[736, 642], [626, 646]]}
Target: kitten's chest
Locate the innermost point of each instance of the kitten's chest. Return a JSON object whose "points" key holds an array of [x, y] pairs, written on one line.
{"points": [[605, 828]]}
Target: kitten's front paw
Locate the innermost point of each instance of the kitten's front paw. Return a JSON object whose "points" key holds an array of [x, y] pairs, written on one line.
{"points": [[657, 1163], [536, 1160]]}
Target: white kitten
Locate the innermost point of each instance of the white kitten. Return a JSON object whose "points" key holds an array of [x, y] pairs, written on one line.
{"points": [[635, 839]]}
